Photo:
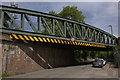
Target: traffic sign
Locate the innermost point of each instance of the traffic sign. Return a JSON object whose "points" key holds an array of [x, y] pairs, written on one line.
{"points": [[72, 39], [12, 52]]}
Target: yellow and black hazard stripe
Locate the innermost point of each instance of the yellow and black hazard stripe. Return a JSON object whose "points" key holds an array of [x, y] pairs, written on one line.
{"points": [[51, 40]]}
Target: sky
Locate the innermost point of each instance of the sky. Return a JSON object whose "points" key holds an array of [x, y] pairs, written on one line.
{"points": [[98, 14], [61, 0]]}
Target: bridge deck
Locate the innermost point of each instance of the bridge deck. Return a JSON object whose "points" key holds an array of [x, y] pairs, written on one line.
{"points": [[58, 29]]}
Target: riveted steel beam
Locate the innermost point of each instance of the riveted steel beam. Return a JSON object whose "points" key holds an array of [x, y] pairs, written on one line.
{"points": [[46, 25], [53, 26], [22, 21], [64, 28], [85, 32], [59, 28], [39, 24], [36, 13], [69, 29], [1, 19], [12, 20], [31, 23], [9, 31], [78, 32]]}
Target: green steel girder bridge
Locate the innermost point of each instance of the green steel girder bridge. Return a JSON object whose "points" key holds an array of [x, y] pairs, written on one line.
{"points": [[57, 30]]}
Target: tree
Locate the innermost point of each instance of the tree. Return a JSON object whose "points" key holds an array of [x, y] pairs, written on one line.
{"points": [[70, 13], [53, 13]]}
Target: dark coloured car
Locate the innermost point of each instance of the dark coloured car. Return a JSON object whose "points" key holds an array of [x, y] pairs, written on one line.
{"points": [[98, 63]]}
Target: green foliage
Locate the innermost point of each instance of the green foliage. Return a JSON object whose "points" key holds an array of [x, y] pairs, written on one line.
{"points": [[102, 54], [117, 48], [72, 13], [5, 24], [53, 13], [78, 55], [85, 54], [81, 55], [11, 74], [50, 25], [67, 12], [117, 55], [93, 54]]}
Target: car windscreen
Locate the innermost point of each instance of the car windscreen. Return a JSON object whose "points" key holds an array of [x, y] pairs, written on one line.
{"points": [[99, 61]]}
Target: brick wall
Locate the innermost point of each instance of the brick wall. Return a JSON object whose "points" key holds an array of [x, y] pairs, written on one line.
{"points": [[21, 56]]}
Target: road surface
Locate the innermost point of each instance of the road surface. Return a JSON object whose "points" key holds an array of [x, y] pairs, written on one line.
{"points": [[84, 71]]}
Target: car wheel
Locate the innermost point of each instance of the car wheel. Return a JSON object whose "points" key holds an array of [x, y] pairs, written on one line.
{"points": [[101, 66]]}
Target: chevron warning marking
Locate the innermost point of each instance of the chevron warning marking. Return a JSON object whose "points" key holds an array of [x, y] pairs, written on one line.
{"points": [[52, 40], [31, 38], [40, 39], [15, 36], [36, 38], [11, 37], [21, 37], [44, 39], [48, 39], [26, 37]]}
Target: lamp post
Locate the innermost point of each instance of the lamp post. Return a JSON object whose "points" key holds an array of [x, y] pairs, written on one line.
{"points": [[111, 32], [115, 55], [111, 29]]}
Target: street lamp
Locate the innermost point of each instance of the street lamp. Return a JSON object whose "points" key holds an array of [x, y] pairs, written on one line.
{"points": [[113, 47], [111, 29]]}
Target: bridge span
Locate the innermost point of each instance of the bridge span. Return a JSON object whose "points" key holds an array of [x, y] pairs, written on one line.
{"points": [[53, 27], [47, 44]]}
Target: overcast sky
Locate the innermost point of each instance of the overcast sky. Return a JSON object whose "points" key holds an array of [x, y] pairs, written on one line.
{"points": [[98, 14]]}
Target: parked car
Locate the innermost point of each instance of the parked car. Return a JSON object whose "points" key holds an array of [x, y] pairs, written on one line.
{"points": [[104, 61], [98, 63]]}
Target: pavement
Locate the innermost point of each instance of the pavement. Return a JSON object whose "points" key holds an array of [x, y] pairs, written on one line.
{"points": [[80, 71]]}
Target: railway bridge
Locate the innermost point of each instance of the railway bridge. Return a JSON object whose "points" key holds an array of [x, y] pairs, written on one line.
{"points": [[37, 40]]}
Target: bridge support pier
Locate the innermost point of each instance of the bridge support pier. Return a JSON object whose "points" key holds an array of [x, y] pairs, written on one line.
{"points": [[21, 56]]}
